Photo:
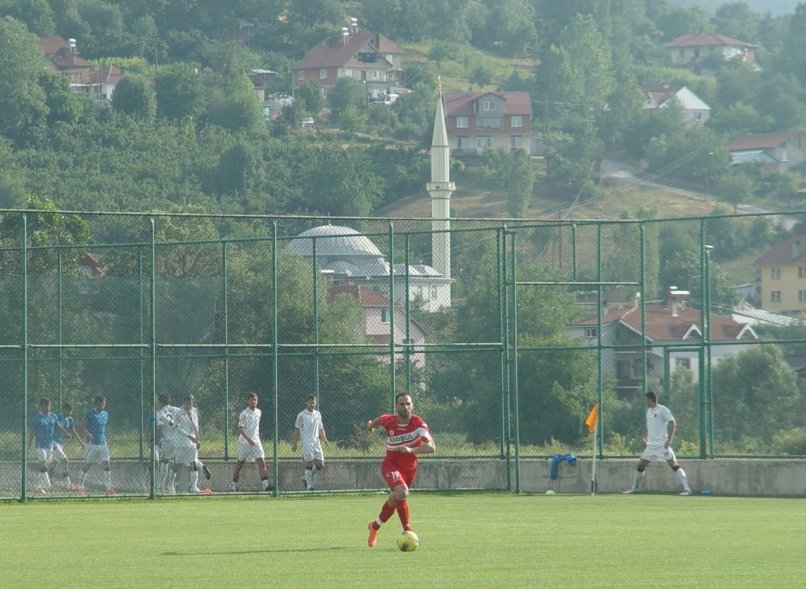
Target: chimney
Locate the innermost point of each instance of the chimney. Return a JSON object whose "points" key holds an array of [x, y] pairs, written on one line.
{"points": [[676, 300], [353, 26], [797, 249], [345, 35]]}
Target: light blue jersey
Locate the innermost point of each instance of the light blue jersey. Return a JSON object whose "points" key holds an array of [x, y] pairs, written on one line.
{"points": [[44, 425], [67, 423], [96, 425]]}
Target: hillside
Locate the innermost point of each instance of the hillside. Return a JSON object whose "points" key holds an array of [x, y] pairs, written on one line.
{"points": [[618, 199]]}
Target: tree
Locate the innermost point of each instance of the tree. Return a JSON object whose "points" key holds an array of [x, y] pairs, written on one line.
{"points": [[23, 105], [737, 20], [308, 98], [734, 187], [180, 92], [345, 94], [757, 396], [238, 110], [795, 43], [134, 96], [36, 14]]}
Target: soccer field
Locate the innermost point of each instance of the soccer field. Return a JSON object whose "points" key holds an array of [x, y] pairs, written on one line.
{"points": [[466, 540]]}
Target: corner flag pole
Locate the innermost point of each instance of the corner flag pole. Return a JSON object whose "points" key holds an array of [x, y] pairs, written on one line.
{"points": [[593, 467], [592, 423]]}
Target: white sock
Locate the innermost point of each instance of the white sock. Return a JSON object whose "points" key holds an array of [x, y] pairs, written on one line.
{"points": [[639, 475], [194, 480], [682, 479], [84, 478], [170, 481], [108, 478], [163, 474]]}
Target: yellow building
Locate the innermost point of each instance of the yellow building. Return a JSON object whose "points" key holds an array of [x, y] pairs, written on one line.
{"points": [[782, 276]]}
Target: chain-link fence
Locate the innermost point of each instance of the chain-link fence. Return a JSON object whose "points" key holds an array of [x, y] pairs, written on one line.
{"points": [[505, 333]]}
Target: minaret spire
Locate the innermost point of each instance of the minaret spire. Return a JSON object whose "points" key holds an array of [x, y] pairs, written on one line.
{"points": [[440, 187]]}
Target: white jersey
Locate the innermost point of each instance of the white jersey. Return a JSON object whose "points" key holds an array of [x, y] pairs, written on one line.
{"points": [[167, 418], [250, 422], [187, 423], [309, 423], [657, 420]]}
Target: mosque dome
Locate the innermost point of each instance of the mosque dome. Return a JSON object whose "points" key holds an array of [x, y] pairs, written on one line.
{"points": [[334, 241]]}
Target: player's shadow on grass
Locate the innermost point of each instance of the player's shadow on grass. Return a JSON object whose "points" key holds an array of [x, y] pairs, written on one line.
{"points": [[243, 552]]}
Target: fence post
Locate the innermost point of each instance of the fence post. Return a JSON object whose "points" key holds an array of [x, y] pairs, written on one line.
{"points": [[153, 345], [24, 250], [275, 357]]}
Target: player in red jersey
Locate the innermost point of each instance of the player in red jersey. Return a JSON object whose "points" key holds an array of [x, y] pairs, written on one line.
{"points": [[407, 437]]}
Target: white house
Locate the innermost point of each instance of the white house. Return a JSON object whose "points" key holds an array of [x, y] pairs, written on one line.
{"points": [[695, 110], [668, 328], [689, 49], [378, 321]]}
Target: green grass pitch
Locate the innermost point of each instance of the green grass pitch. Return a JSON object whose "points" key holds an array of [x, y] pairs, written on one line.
{"points": [[466, 540]]}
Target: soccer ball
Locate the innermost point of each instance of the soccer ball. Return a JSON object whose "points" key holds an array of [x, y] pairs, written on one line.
{"points": [[408, 542]]}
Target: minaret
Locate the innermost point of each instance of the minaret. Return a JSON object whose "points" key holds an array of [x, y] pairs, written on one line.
{"points": [[440, 189]]}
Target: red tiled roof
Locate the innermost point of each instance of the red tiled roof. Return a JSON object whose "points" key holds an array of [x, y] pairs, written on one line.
{"points": [[784, 253], [461, 103], [760, 140], [334, 52], [366, 297], [661, 325], [51, 45], [660, 93], [706, 40]]}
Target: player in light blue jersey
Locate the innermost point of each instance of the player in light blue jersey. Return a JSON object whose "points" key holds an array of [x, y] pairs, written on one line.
{"points": [[97, 452], [66, 427], [43, 428]]}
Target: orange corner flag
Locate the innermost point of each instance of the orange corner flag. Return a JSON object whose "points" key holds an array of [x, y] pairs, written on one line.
{"points": [[592, 417]]}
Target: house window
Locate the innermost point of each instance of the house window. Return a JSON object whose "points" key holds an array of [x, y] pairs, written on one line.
{"points": [[376, 75], [590, 332], [801, 296], [462, 142], [683, 363], [483, 143], [322, 74], [488, 105], [801, 272], [461, 122], [433, 293], [384, 315], [516, 142], [775, 273], [516, 121], [300, 75], [775, 296], [348, 73]]}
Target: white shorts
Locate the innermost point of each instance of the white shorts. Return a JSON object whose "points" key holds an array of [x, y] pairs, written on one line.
{"points": [[312, 452], [657, 454], [249, 453], [96, 453], [44, 455], [167, 450], [185, 453], [58, 452]]}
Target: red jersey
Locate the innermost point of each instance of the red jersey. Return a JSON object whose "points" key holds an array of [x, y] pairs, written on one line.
{"points": [[413, 434]]}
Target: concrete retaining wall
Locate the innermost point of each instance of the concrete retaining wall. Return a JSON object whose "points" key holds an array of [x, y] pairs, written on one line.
{"points": [[751, 477]]}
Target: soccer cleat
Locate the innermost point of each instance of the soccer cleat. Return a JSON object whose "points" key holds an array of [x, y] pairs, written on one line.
{"points": [[111, 491], [207, 491], [206, 472], [233, 486], [373, 535], [72, 488], [269, 488], [81, 490], [628, 492], [686, 492]]}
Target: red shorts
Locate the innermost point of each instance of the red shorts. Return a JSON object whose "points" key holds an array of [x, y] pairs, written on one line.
{"points": [[395, 476]]}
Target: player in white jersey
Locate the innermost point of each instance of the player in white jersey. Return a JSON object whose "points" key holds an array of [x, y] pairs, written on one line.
{"points": [[249, 445], [657, 443], [167, 437], [309, 430], [187, 445]]}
